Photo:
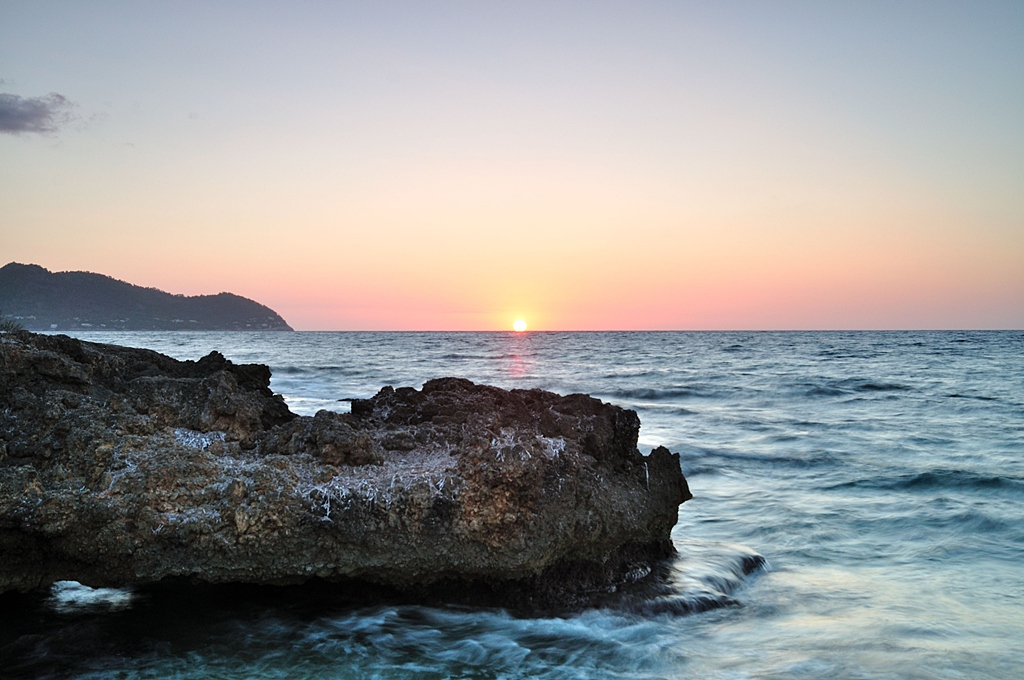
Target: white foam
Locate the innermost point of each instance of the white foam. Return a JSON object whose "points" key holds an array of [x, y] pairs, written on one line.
{"points": [[71, 596]]}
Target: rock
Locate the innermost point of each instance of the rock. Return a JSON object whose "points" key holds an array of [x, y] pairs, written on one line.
{"points": [[122, 466]]}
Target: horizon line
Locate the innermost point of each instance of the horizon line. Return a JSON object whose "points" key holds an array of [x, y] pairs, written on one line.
{"points": [[532, 331]]}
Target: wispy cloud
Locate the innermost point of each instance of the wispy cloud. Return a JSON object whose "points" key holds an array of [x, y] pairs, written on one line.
{"points": [[33, 114]]}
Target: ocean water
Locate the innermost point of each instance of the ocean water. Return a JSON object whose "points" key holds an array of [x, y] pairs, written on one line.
{"points": [[879, 475]]}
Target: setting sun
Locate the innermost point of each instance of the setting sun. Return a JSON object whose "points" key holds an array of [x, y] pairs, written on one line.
{"points": [[519, 326]]}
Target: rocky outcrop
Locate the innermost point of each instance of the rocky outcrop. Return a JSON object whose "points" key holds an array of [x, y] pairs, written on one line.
{"points": [[123, 466]]}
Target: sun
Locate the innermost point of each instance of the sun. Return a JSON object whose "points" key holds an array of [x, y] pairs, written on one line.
{"points": [[519, 326]]}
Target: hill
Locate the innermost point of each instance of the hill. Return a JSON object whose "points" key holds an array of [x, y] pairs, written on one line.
{"points": [[43, 300]]}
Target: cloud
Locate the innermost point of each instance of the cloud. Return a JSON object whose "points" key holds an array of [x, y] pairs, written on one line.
{"points": [[33, 114]]}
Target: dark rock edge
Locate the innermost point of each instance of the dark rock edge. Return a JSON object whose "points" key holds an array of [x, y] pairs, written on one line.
{"points": [[564, 583]]}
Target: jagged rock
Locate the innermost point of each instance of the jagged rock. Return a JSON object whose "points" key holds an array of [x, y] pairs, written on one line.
{"points": [[123, 466]]}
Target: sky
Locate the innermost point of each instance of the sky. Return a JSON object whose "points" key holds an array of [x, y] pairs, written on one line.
{"points": [[579, 165]]}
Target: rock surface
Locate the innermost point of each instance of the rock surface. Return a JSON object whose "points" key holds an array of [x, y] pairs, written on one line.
{"points": [[122, 466]]}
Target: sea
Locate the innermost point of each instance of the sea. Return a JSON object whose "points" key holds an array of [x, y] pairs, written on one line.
{"points": [[879, 475]]}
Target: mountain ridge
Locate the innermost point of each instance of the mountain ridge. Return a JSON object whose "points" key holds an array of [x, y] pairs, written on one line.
{"points": [[39, 299]]}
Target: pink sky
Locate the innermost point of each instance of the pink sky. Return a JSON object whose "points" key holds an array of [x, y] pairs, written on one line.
{"points": [[719, 166]]}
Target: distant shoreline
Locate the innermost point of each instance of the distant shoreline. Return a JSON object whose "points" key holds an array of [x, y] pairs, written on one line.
{"points": [[45, 301]]}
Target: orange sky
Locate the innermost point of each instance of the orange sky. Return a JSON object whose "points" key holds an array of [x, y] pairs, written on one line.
{"points": [[624, 167]]}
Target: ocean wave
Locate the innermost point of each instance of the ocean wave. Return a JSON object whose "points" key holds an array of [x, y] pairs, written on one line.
{"points": [[847, 353], [698, 469], [476, 356], [705, 577], [312, 370], [622, 374], [820, 391], [870, 386], [970, 523], [664, 409], [703, 456], [848, 386], [380, 642], [938, 479], [656, 394]]}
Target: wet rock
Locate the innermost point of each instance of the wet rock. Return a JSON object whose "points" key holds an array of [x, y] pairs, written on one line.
{"points": [[123, 466]]}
